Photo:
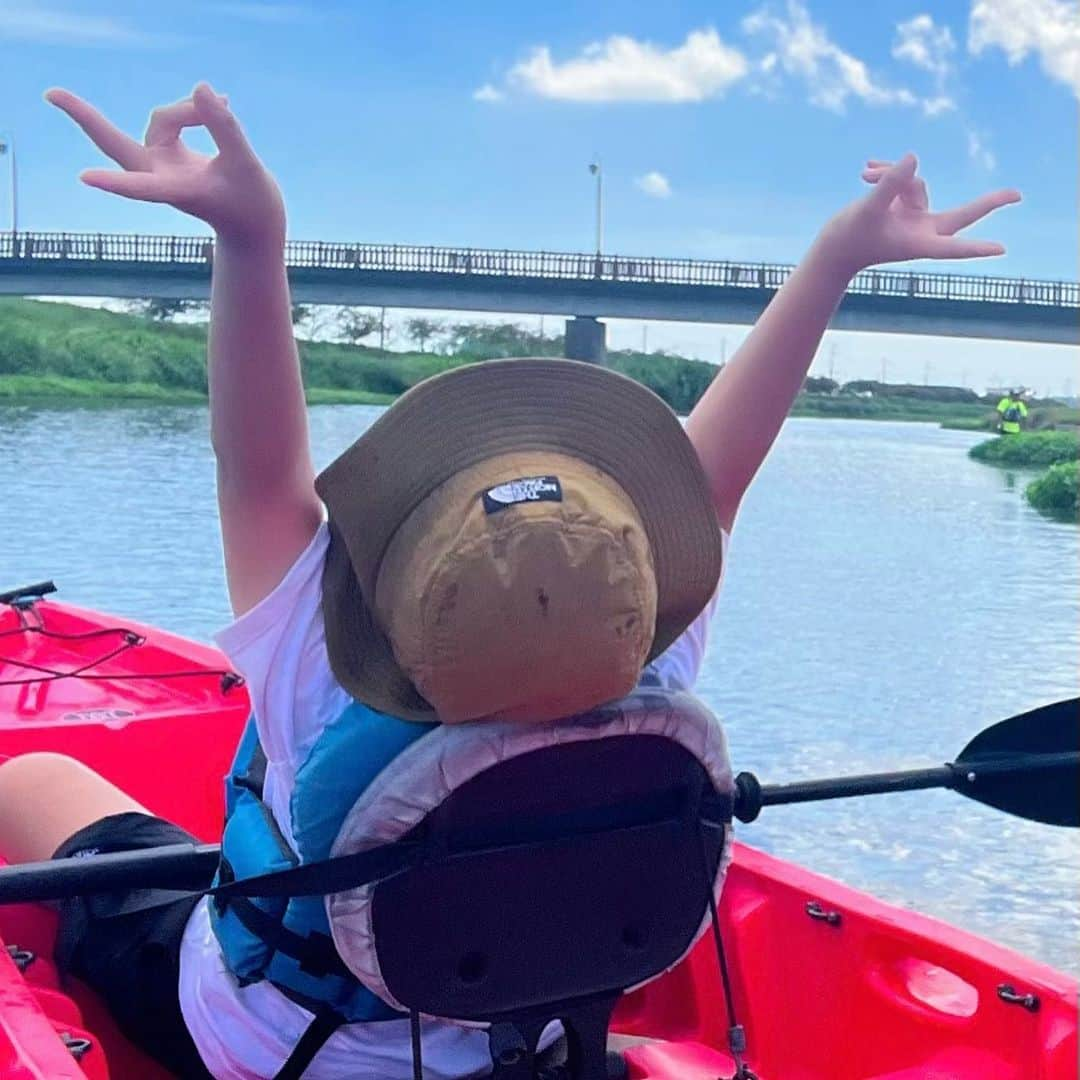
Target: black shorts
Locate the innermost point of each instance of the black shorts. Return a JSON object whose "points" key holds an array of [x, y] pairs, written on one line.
{"points": [[132, 960]]}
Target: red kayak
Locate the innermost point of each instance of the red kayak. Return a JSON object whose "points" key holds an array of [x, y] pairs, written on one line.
{"points": [[831, 984]]}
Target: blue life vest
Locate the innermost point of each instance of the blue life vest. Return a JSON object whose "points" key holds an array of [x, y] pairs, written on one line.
{"points": [[287, 940]]}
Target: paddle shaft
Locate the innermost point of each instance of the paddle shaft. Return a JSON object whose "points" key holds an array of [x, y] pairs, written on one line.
{"points": [[752, 796], [191, 867], [183, 867]]}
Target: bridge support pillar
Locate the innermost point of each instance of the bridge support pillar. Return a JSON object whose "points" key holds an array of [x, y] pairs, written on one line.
{"points": [[586, 339]]}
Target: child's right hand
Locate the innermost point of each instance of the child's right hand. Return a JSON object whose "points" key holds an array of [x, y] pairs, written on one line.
{"points": [[232, 191]]}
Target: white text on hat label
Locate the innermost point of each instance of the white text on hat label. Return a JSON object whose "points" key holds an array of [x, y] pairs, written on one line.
{"points": [[526, 489]]}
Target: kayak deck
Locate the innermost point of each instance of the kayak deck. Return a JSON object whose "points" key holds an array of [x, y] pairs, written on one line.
{"points": [[883, 994], [830, 984], [144, 699]]}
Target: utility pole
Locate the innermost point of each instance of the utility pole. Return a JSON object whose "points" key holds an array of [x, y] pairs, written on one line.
{"points": [[832, 361], [382, 330], [598, 172], [723, 352], [7, 146], [645, 338]]}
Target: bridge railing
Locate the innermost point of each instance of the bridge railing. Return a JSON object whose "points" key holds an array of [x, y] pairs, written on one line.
{"points": [[566, 266]]}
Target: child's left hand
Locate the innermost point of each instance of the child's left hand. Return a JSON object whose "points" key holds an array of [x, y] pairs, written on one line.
{"points": [[894, 223]]}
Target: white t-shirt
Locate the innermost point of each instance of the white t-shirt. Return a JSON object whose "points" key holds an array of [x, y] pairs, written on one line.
{"points": [[246, 1033]]}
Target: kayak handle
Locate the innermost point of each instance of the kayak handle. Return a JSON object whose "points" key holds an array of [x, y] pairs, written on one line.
{"points": [[27, 593], [816, 911], [1009, 995]]}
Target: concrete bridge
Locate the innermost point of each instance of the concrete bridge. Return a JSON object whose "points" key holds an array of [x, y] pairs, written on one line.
{"points": [[585, 287]]}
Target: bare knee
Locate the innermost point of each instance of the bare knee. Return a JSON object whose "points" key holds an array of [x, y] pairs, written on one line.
{"points": [[36, 776], [46, 798]]}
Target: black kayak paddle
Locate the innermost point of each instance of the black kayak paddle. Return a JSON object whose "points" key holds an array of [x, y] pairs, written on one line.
{"points": [[1028, 765]]}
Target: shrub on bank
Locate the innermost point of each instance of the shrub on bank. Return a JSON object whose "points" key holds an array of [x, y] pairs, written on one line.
{"points": [[1029, 449], [1055, 492], [877, 408], [947, 394], [679, 381]]}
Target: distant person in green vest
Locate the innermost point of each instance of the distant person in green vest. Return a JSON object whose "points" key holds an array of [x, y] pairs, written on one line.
{"points": [[1013, 412]]}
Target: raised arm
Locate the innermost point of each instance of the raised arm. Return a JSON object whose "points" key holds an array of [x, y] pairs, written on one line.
{"points": [[737, 420], [266, 496]]}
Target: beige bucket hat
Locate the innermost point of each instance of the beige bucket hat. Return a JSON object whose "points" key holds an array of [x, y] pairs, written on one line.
{"points": [[513, 539]]}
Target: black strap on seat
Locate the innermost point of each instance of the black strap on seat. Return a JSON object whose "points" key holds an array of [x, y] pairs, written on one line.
{"points": [[344, 872], [315, 1036], [328, 876]]}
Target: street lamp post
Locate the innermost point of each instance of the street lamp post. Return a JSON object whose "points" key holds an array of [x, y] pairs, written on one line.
{"points": [[7, 146], [598, 172]]}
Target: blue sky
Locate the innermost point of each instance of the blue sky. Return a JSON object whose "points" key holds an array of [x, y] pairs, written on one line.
{"points": [[726, 130]]}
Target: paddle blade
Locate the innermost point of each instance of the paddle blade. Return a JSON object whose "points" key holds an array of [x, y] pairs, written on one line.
{"points": [[1028, 765]]}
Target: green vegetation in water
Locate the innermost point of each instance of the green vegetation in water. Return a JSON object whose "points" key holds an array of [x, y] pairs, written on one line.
{"points": [[1028, 449], [1055, 492]]}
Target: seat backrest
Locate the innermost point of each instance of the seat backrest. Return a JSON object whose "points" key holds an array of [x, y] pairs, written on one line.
{"points": [[568, 872], [561, 862]]}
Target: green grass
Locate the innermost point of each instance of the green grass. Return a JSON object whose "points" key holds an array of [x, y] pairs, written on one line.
{"points": [[53, 351], [848, 406], [1029, 449], [64, 388], [1055, 492], [971, 423], [322, 395]]}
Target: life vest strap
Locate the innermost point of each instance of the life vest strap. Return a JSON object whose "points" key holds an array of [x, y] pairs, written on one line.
{"points": [[315, 1037], [315, 953]]}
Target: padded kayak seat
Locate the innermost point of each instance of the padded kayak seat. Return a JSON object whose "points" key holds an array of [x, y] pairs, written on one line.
{"points": [[550, 881]]}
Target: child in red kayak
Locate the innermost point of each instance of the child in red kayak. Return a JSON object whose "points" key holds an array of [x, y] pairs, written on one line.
{"points": [[625, 515]]}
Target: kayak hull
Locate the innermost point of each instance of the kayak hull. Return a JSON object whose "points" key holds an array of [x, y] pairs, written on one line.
{"points": [[830, 984]]}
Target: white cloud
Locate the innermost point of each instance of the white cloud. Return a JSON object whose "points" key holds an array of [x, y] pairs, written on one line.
{"points": [[925, 45], [27, 21], [804, 51], [935, 106], [624, 69], [488, 93], [1048, 28], [655, 184], [920, 41], [979, 152]]}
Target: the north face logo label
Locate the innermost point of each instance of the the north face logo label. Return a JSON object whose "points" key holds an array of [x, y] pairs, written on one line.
{"points": [[527, 489]]}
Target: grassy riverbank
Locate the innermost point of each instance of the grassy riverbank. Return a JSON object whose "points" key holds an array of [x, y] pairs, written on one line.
{"points": [[849, 407], [64, 353], [60, 352]]}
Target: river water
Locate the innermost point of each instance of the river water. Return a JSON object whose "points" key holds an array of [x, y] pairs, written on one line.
{"points": [[885, 598]]}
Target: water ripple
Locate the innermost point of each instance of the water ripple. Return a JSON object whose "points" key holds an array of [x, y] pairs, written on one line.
{"points": [[886, 598]]}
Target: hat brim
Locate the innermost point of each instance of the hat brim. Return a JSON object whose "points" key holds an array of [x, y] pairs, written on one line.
{"points": [[469, 414]]}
